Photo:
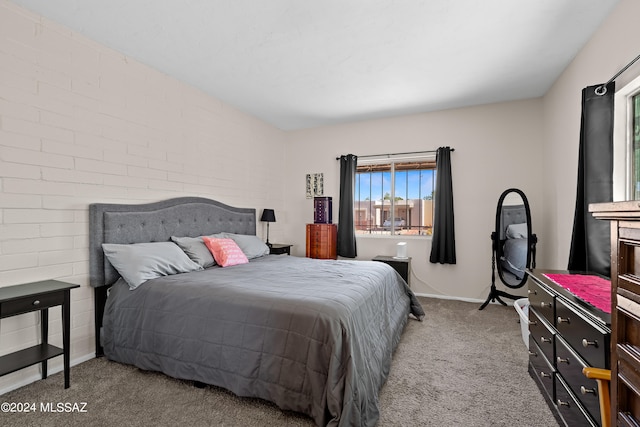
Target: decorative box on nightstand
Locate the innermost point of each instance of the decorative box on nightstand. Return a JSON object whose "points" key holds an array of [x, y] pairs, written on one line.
{"points": [[322, 210]]}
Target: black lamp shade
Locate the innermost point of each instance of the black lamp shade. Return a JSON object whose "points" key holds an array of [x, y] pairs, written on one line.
{"points": [[268, 215]]}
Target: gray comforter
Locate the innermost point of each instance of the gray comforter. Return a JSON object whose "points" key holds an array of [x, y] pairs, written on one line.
{"points": [[313, 336]]}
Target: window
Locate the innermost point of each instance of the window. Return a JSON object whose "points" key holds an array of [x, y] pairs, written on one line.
{"points": [[394, 197], [626, 142]]}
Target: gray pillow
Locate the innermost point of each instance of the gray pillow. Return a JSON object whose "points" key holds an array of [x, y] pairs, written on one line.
{"points": [[140, 262], [252, 246], [195, 249]]}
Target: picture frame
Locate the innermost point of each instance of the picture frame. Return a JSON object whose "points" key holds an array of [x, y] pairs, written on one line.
{"points": [[314, 185]]}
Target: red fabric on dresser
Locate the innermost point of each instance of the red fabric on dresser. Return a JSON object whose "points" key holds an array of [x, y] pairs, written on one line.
{"points": [[593, 289]]}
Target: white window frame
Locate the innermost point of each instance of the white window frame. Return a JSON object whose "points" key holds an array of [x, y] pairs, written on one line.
{"points": [[372, 160], [623, 141]]}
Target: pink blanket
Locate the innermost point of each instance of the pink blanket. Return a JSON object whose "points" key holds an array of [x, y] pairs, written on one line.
{"points": [[593, 289]]}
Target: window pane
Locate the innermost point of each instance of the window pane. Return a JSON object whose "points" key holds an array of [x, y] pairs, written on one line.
{"points": [[401, 198], [411, 212]]}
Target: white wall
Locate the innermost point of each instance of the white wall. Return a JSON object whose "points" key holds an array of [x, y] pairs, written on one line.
{"points": [[543, 134], [612, 47], [497, 146], [80, 123]]}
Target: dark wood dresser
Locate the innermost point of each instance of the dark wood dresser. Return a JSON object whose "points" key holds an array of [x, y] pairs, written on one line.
{"points": [[322, 241], [625, 314], [566, 334]]}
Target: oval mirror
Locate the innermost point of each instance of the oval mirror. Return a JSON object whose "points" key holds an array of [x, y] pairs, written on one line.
{"points": [[513, 244], [513, 231]]}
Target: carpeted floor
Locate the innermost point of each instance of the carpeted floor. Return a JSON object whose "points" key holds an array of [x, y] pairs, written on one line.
{"points": [[460, 367]]}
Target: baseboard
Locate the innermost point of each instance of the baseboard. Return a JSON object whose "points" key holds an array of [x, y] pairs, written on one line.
{"points": [[449, 297], [51, 371]]}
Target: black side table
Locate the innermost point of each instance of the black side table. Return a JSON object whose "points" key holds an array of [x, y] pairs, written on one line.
{"points": [[401, 265], [38, 296], [279, 249]]}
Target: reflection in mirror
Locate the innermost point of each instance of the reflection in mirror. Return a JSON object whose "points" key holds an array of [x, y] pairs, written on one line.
{"points": [[512, 248], [513, 244]]}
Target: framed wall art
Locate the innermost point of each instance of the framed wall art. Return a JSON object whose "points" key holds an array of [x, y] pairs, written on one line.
{"points": [[315, 185]]}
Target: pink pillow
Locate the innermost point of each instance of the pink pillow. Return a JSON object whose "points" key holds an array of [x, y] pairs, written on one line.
{"points": [[225, 251]]}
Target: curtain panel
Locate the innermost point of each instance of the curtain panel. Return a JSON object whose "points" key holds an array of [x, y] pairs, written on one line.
{"points": [[443, 244], [591, 239], [346, 229]]}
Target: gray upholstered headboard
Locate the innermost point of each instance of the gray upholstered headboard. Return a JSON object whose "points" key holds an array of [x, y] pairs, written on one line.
{"points": [[511, 214], [157, 222]]}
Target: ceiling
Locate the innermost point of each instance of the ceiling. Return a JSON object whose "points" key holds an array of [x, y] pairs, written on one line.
{"points": [[299, 64]]}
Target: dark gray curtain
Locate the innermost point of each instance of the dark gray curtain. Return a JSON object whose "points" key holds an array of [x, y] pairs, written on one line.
{"points": [[346, 229], [591, 240], [443, 244]]}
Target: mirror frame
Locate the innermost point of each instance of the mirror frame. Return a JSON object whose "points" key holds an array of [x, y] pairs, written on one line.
{"points": [[498, 243]]}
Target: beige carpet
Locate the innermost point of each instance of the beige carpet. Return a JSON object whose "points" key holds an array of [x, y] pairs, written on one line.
{"points": [[460, 367]]}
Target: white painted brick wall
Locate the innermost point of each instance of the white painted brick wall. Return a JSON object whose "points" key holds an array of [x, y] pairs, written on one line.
{"points": [[80, 123]]}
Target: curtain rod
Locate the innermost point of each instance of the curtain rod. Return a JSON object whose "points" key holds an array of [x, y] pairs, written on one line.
{"points": [[601, 90], [397, 154]]}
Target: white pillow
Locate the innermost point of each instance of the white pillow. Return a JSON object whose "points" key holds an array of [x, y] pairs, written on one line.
{"points": [[517, 231], [140, 262]]}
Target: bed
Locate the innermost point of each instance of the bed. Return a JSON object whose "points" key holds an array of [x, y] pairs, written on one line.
{"points": [[312, 336]]}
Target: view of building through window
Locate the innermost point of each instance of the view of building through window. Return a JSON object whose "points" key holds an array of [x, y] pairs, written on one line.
{"points": [[395, 197]]}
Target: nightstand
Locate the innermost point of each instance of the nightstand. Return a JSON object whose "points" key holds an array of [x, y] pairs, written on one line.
{"points": [[401, 265], [38, 296], [279, 249]]}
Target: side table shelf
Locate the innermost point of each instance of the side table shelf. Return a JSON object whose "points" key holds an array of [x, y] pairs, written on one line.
{"points": [[38, 296], [280, 248]]}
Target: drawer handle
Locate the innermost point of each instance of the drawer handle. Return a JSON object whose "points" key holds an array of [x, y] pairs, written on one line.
{"points": [[545, 375], [545, 304], [561, 403], [533, 322], [545, 340], [585, 390], [36, 302], [564, 320], [534, 292], [586, 343], [533, 353], [561, 360]]}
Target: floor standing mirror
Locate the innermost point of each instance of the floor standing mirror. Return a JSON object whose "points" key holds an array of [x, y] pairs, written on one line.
{"points": [[513, 245]]}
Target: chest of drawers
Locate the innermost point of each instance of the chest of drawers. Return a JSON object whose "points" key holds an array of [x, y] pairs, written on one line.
{"points": [[322, 240], [566, 334]]}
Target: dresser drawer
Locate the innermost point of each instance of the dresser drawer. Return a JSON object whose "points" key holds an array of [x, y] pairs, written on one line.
{"points": [[584, 336], [27, 304], [569, 365], [542, 300], [541, 333], [542, 368], [569, 408]]}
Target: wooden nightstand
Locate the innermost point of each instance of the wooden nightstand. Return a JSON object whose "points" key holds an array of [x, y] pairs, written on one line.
{"points": [[31, 297], [322, 241], [279, 249], [401, 265]]}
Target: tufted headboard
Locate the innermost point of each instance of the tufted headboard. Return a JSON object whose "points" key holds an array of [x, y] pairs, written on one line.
{"points": [[511, 214], [157, 222]]}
